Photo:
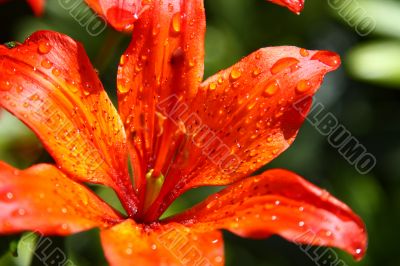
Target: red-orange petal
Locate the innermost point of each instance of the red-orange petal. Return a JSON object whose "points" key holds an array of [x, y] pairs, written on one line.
{"points": [[120, 14], [37, 6], [172, 244], [164, 58], [243, 117], [49, 83], [295, 6], [44, 200], [280, 202]]}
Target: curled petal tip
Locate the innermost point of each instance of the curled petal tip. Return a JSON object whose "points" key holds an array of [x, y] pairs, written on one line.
{"points": [[329, 58]]}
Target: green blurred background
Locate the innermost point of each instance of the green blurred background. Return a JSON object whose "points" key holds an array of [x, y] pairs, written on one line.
{"points": [[364, 95]]}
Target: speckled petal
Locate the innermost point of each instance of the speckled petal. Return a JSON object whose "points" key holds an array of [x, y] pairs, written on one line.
{"points": [[244, 117], [49, 83], [44, 200], [119, 14], [280, 202], [164, 59], [129, 244]]}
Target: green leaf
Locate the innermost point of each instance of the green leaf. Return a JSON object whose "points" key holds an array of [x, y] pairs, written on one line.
{"points": [[376, 62], [20, 252]]}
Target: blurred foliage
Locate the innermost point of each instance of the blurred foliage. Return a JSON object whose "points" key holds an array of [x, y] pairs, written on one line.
{"points": [[360, 95]]}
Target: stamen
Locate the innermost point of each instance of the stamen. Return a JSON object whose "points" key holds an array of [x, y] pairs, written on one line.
{"points": [[153, 188]]}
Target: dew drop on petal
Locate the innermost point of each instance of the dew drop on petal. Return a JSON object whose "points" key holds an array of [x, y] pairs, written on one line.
{"points": [[303, 86], [55, 72], [128, 251], [235, 74], [123, 59], [328, 58], [212, 86], [44, 47], [304, 52], [283, 64], [122, 89], [271, 88], [218, 259], [46, 64], [176, 22], [10, 195], [19, 89], [256, 72], [21, 212], [5, 86]]}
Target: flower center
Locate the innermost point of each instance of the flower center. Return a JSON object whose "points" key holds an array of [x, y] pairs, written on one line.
{"points": [[153, 188]]}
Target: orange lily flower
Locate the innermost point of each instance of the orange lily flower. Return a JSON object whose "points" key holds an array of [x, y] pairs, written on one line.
{"points": [[37, 6], [179, 132], [123, 14]]}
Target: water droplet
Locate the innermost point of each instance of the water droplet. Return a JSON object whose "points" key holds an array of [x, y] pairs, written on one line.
{"points": [[218, 259], [273, 217], [283, 64], [10, 195], [56, 72], [303, 86], [46, 64], [44, 47], [21, 212], [277, 202], [87, 88], [123, 59], [128, 251], [271, 88], [235, 74], [176, 22], [328, 58], [19, 89], [211, 204], [304, 52], [154, 247], [325, 195], [64, 210], [212, 86], [256, 72], [5, 86], [34, 97], [301, 223], [122, 89]]}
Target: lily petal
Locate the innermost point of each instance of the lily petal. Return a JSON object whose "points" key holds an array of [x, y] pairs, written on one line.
{"points": [[37, 6], [244, 117], [49, 83], [164, 58], [280, 202], [130, 244], [295, 6], [120, 14], [44, 200]]}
